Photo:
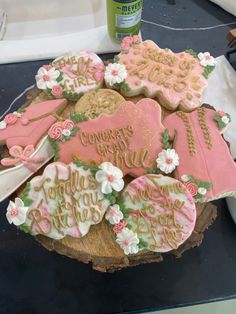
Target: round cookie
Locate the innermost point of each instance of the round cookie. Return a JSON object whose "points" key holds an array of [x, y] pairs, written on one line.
{"points": [[159, 211], [64, 200], [94, 103], [71, 75]]}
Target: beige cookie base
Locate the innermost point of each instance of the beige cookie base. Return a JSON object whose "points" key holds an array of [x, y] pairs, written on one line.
{"points": [[98, 247]]}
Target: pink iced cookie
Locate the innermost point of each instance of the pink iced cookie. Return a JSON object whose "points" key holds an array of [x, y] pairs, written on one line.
{"points": [[159, 211], [29, 126], [176, 79], [130, 138], [65, 200], [206, 165]]}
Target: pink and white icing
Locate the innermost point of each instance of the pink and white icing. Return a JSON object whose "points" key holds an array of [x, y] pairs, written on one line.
{"points": [[65, 200], [162, 212], [175, 78]]}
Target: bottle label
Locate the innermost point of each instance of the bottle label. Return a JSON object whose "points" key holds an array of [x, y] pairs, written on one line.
{"points": [[126, 21]]}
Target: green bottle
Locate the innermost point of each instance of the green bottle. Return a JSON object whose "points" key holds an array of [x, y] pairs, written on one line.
{"points": [[123, 18]]}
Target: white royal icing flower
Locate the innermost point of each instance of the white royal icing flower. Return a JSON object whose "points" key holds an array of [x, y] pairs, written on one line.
{"points": [[202, 191], [3, 125], [206, 59], [115, 73], [225, 119], [66, 132], [167, 160], [114, 215], [185, 178], [110, 177], [16, 212], [46, 78], [18, 114], [128, 241]]}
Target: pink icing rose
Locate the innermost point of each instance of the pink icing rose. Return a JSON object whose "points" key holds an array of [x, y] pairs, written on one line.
{"points": [[136, 38], [57, 90], [221, 113], [120, 226], [10, 118], [47, 67], [68, 125], [55, 130], [124, 46], [192, 187]]}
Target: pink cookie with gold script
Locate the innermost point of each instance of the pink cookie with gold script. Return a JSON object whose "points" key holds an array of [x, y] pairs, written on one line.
{"points": [[157, 213], [130, 138], [24, 132], [205, 164], [177, 80]]}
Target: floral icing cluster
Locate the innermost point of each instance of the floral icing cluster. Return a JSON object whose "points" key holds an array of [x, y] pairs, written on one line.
{"points": [[9, 119], [222, 119], [62, 131], [128, 42], [196, 187], [48, 78], [126, 238]]}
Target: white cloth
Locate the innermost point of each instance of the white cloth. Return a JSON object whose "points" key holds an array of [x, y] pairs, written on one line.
{"points": [[96, 40], [227, 5], [221, 94]]}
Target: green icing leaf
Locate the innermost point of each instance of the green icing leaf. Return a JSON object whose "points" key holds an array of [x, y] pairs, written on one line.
{"points": [[116, 59], [24, 195], [125, 52], [76, 117], [80, 163], [124, 87], [26, 229], [60, 77], [221, 124], [154, 171], [207, 70], [55, 147], [142, 244], [72, 96], [192, 52], [20, 110], [74, 131], [200, 184], [111, 197], [166, 140]]}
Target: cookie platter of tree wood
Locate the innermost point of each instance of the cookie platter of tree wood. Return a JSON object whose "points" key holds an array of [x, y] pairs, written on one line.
{"points": [[115, 164]]}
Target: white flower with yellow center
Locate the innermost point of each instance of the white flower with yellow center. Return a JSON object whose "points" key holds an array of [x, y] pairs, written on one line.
{"points": [[16, 212], [167, 160], [110, 178], [115, 73], [128, 241], [47, 78]]}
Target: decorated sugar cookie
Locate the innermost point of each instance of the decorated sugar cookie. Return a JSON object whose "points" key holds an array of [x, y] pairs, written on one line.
{"points": [[71, 75], [25, 135], [65, 200], [155, 213], [206, 166], [177, 80], [130, 138], [94, 103]]}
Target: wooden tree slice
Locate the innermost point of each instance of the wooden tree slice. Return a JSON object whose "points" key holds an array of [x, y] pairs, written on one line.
{"points": [[99, 246]]}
